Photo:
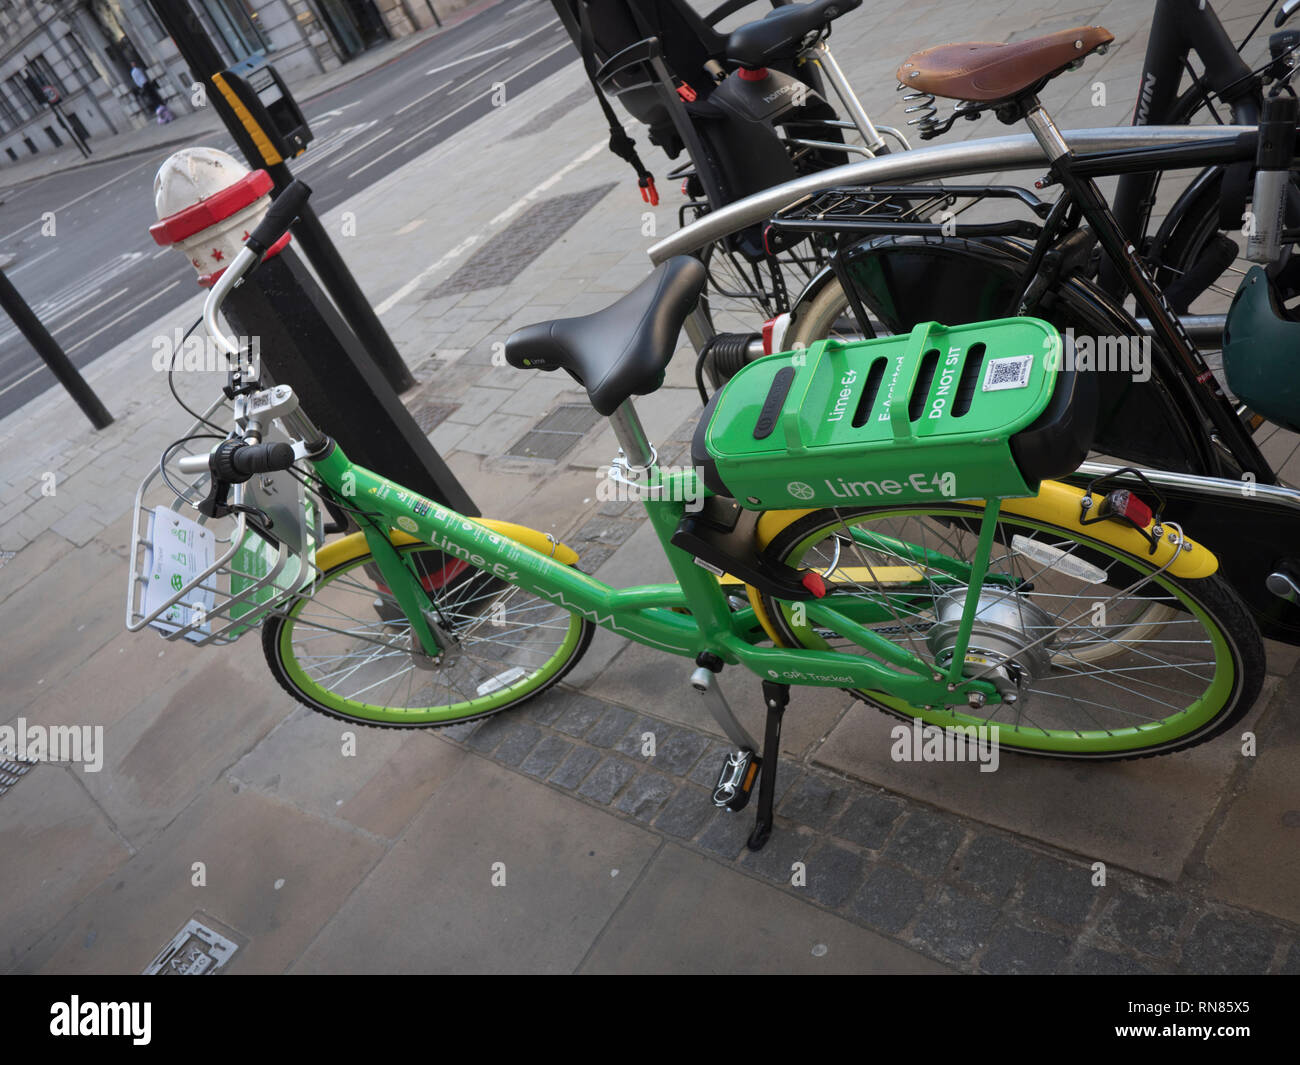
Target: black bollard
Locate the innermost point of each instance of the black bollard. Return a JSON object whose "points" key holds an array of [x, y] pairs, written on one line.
{"points": [[304, 343]]}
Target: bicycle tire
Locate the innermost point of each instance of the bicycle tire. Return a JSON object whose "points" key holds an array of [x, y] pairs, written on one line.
{"points": [[1239, 653], [466, 606]]}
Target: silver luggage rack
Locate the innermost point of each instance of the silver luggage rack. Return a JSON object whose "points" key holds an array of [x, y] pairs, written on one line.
{"points": [[208, 581]]}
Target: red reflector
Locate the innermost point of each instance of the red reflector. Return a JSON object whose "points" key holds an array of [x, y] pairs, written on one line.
{"points": [[814, 583], [1127, 504], [757, 74], [768, 326]]}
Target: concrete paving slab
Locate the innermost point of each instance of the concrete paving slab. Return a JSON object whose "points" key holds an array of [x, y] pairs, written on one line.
{"points": [[83, 591], [272, 874], [178, 738], [689, 914], [58, 845], [431, 906], [1145, 815], [30, 562], [1254, 856], [326, 767]]}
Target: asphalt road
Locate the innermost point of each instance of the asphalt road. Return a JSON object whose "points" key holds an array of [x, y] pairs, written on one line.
{"points": [[100, 279]]}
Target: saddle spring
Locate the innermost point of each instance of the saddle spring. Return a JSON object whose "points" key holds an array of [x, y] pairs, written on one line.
{"points": [[926, 122]]}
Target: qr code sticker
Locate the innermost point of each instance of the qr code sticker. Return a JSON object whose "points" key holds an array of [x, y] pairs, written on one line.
{"points": [[1008, 373]]}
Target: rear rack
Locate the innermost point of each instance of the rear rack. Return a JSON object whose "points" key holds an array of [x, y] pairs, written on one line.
{"points": [[893, 209]]}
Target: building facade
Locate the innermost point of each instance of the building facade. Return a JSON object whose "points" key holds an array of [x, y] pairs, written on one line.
{"points": [[81, 52]]}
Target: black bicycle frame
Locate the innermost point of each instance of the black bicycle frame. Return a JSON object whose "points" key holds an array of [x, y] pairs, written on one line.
{"points": [[1178, 28]]}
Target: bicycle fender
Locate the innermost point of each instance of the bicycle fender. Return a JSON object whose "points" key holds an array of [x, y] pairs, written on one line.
{"points": [[353, 545], [1058, 504]]}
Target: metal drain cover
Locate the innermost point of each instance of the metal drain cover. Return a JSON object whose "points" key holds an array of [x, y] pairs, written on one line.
{"points": [[555, 434], [196, 950], [12, 771]]}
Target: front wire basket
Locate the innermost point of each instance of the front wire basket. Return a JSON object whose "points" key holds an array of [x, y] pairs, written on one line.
{"points": [[210, 580]]}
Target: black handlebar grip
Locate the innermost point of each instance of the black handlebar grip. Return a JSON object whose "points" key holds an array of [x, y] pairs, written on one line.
{"points": [[262, 458], [279, 217], [234, 462]]}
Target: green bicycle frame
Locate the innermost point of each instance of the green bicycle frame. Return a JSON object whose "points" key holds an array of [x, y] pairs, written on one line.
{"points": [[685, 618]]}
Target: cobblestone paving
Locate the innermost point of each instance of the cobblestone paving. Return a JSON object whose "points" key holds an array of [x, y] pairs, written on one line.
{"points": [[975, 898]]}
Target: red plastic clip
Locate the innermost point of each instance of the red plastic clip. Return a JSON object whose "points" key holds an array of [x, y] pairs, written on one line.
{"points": [[686, 92], [648, 191], [812, 580]]}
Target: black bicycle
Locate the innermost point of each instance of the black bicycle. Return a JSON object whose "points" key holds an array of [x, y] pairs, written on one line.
{"points": [[1202, 463]]}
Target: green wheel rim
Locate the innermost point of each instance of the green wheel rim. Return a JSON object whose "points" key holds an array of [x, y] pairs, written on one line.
{"points": [[433, 715], [1156, 733]]}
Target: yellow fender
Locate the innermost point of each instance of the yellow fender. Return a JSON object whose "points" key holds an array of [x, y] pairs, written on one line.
{"points": [[1056, 503], [353, 545]]}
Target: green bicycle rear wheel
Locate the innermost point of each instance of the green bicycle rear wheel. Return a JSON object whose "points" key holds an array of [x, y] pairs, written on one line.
{"points": [[1117, 659], [347, 650]]}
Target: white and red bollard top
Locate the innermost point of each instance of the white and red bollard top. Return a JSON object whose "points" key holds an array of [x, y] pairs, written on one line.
{"points": [[208, 203]]}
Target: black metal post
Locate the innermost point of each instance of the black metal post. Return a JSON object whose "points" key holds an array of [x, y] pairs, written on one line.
{"points": [[203, 59], [303, 343], [55, 357]]}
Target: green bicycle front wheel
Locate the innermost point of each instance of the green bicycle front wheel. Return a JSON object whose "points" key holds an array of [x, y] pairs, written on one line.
{"points": [[1106, 656], [346, 650]]}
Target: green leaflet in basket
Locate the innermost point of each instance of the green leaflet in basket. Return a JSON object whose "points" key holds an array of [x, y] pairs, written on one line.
{"points": [[295, 521], [178, 553]]}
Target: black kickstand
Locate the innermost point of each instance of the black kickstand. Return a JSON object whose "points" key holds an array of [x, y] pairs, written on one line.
{"points": [[777, 697]]}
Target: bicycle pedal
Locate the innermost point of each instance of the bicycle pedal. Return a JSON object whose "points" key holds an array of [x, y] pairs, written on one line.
{"points": [[736, 780]]}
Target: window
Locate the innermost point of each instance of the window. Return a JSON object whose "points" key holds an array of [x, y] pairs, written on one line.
{"points": [[237, 27], [45, 73], [82, 68], [21, 96], [9, 116], [146, 18]]}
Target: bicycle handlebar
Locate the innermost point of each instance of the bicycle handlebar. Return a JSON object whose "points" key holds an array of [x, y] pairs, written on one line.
{"points": [[235, 462], [279, 217]]}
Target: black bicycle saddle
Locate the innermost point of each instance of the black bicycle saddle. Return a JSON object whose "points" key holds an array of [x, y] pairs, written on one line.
{"points": [[780, 33], [622, 350]]}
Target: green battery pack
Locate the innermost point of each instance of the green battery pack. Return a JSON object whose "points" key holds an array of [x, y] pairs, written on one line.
{"points": [[913, 418]]}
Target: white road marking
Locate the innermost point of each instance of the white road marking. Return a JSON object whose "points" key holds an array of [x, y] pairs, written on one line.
{"points": [[124, 314], [471, 79], [327, 146], [474, 238], [476, 55], [72, 203], [30, 373], [31, 262], [362, 147], [91, 310], [71, 297], [421, 99], [453, 114]]}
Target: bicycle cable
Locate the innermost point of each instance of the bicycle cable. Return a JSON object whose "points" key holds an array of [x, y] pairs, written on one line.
{"points": [[171, 384]]}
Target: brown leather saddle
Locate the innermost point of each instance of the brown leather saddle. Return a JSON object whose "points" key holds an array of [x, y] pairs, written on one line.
{"points": [[985, 71]]}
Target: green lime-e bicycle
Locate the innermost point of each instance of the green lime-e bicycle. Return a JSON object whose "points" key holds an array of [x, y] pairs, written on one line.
{"points": [[876, 516]]}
